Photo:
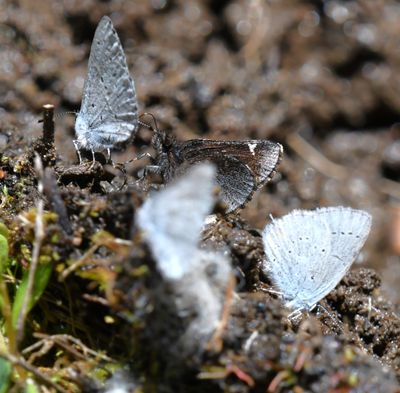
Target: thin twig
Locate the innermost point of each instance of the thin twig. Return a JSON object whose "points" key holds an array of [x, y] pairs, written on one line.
{"points": [[34, 347], [80, 262], [96, 299], [39, 236], [48, 124], [328, 168], [44, 146], [390, 187], [52, 192], [18, 361], [281, 376], [216, 342], [248, 343], [310, 154], [63, 340]]}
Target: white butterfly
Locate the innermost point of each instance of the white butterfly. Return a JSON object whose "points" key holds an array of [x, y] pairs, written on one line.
{"points": [[172, 220], [308, 252], [109, 111]]}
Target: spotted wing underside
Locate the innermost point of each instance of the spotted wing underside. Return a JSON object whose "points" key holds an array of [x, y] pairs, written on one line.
{"points": [[109, 104]]}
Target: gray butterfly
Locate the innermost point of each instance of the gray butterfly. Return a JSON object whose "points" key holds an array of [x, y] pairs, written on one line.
{"points": [[109, 110]]}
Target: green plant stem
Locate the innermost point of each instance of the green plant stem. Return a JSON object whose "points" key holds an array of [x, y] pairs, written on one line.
{"points": [[7, 314], [39, 235]]}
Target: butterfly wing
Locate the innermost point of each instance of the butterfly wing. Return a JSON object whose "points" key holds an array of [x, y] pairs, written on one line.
{"points": [[109, 112], [261, 156], [338, 234], [264, 157], [349, 229], [242, 166], [297, 247], [172, 219]]}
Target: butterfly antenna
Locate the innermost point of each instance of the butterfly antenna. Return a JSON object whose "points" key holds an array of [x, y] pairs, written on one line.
{"points": [[155, 128], [61, 114], [295, 315], [147, 125]]}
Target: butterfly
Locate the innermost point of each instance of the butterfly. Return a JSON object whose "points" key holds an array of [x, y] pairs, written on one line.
{"points": [[165, 216], [309, 251], [109, 111], [171, 221], [242, 166]]}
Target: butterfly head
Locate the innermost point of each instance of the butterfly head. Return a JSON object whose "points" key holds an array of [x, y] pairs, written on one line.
{"points": [[162, 141]]}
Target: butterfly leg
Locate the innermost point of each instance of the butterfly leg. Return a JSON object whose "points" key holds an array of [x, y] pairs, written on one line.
{"points": [[76, 145], [147, 169], [151, 169], [137, 158], [295, 315], [93, 159], [111, 162], [142, 155]]}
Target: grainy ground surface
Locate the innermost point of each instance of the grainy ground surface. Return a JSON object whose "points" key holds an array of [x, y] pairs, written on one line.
{"points": [[322, 78]]}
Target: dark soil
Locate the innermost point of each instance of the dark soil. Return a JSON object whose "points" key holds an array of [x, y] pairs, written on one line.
{"points": [[322, 78]]}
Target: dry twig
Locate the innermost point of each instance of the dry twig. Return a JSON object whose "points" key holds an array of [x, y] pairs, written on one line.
{"points": [[19, 361], [318, 161], [39, 236]]}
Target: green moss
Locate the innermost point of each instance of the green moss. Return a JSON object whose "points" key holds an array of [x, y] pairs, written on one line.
{"points": [[5, 160], [55, 238]]}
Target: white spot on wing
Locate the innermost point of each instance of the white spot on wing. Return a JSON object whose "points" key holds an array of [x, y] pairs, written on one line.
{"points": [[252, 147]]}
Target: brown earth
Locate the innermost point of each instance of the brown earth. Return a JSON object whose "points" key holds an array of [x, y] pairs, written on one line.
{"points": [[322, 78]]}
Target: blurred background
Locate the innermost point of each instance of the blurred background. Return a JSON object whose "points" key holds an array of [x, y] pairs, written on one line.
{"points": [[320, 77]]}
